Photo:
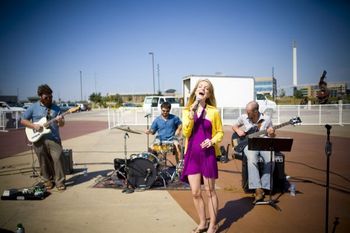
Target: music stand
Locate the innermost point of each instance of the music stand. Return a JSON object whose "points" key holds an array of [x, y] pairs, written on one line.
{"points": [[270, 144]]}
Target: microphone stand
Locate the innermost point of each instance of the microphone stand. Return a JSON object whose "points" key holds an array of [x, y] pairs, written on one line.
{"points": [[34, 173], [328, 151]]}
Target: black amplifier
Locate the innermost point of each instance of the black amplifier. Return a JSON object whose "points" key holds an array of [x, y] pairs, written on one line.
{"points": [[279, 176], [67, 155]]}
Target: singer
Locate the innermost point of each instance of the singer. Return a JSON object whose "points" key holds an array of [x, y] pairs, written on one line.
{"points": [[202, 129]]}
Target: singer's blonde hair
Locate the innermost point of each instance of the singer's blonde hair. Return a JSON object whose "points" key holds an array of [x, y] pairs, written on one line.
{"points": [[211, 100]]}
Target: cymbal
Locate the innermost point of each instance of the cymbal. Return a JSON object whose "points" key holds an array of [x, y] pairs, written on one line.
{"points": [[127, 129]]}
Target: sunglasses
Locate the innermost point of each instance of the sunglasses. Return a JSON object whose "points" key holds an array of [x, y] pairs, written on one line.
{"points": [[47, 97]]}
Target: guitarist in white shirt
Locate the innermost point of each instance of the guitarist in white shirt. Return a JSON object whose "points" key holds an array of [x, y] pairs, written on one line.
{"points": [[253, 119], [48, 145]]}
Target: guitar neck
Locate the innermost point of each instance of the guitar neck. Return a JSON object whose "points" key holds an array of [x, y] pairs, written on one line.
{"points": [[54, 119], [256, 134]]}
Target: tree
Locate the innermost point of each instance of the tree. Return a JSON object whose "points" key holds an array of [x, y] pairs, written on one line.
{"points": [[282, 93], [95, 97], [298, 94]]}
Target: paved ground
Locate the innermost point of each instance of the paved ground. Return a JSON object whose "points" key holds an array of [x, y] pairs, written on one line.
{"points": [[82, 208]]}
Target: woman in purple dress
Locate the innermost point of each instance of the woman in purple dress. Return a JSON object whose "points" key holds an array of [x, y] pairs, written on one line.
{"points": [[202, 129]]}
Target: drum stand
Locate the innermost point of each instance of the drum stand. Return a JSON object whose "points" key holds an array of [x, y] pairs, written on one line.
{"points": [[178, 167], [127, 189], [272, 145]]}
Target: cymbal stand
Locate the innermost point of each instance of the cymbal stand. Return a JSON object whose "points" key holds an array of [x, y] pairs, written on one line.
{"points": [[127, 188], [148, 116]]}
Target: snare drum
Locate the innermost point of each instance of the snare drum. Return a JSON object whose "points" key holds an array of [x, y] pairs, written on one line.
{"points": [[142, 170], [163, 146]]}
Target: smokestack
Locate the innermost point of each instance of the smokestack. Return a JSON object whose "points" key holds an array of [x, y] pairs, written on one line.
{"points": [[295, 77]]}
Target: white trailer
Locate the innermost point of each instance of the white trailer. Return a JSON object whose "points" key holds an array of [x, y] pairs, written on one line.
{"points": [[230, 91]]}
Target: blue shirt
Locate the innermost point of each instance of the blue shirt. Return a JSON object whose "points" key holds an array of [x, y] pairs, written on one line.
{"points": [[166, 128], [37, 111]]}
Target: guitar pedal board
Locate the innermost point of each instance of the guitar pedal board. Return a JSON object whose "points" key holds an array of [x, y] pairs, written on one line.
{"points": [[36, 193]]}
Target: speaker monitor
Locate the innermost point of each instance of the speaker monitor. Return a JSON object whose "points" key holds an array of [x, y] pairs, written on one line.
{"points": [[67, 161]]}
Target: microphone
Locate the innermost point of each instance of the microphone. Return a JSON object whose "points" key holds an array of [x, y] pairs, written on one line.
{"points": [[148, 115], [148, 174], [198, 99]]}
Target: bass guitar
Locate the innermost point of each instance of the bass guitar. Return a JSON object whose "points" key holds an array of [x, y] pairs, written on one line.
{"points": [[239, 143], [34, 135]]}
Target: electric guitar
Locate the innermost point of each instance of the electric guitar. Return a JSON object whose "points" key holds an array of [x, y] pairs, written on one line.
{"points": [[34, 135], [239, 143]]}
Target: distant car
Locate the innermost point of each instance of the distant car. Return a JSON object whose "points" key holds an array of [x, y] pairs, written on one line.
{"points": [[5, 106], [26, 105], [156, 101], [265, 105], [83, 106], [65, 106], [130, 105]]}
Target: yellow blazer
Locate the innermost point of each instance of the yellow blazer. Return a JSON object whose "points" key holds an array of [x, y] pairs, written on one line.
{"points": [[212, 114]]}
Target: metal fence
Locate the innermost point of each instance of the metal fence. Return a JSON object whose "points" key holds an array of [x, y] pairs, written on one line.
{"points": [[333, 114], [9, 120]]}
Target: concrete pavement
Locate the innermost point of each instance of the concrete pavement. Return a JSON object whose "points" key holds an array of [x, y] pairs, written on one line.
{"points": [[82, 208]]}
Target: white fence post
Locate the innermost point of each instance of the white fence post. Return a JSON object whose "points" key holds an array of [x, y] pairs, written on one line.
{"points": [[341, 112], [319, 114]]}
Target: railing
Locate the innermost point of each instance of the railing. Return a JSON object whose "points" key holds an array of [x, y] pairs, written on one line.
{"points": [[9, 120], [333, 114]]}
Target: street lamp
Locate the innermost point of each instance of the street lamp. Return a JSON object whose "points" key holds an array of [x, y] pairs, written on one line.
{"points": [[151, 53]]}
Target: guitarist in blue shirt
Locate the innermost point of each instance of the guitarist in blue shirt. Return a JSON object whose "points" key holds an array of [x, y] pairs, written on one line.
{"points": [[47, 144], [246, 124]]}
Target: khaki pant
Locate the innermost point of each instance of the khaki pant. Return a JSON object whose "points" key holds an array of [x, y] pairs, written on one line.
{"points": [[50, 160]]}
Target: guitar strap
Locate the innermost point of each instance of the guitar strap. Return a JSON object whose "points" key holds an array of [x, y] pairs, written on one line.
{"points": [[260, 123], [48, 114]]}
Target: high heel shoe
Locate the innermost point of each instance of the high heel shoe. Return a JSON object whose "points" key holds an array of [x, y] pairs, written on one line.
{"points": [[216, 228], [201, 230]]}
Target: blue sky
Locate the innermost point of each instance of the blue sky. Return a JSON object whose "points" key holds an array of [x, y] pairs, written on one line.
{"points": [[109, 41]]}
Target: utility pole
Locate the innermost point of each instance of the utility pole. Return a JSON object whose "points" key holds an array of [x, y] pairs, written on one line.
{"points": [[152, 54], [81, 85], [95, 84], [158, 72]]}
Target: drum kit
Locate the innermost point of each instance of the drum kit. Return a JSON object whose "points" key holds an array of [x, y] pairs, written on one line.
{"points": [[143, 170]]}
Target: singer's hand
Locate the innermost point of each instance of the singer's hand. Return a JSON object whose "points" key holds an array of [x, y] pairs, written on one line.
{"points": [[206, 143], [195, 104]]}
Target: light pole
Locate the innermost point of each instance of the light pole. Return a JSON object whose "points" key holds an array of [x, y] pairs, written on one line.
{"points": [[151, 53], [158, 71], [81, 86]]}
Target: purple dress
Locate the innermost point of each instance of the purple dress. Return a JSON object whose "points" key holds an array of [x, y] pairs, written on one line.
{"points": [[198, 160]]}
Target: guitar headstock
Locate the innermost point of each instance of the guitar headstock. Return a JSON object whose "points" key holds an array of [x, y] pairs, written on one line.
{"points": [[295, 120], [71, 110]]}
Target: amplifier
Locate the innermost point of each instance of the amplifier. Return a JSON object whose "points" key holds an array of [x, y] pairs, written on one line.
{"points": [[67, 155], [278, 173]]}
